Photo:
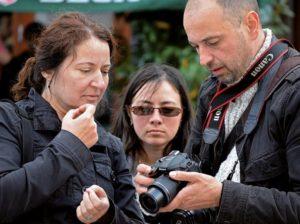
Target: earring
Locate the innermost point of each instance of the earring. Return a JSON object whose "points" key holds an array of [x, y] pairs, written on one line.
{"points": [[49, 84]]}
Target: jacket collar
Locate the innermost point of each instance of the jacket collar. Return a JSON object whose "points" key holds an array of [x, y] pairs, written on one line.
{"points": [[43, 114]]}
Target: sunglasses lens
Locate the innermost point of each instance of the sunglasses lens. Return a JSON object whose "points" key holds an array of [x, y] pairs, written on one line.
{"points": [[170, 111], [142, 111], [164, 111]]}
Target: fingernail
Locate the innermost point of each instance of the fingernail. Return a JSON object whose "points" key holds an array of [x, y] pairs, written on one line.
{"points": [[84, 188], [173, 174]]}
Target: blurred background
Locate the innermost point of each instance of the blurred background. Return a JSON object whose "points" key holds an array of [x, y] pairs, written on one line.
{"points": [[146, 31]]}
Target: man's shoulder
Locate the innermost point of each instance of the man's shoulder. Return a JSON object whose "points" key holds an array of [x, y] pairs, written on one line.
{"points": [[287, 79], [288, 71], [292, 52], [291, 72]]}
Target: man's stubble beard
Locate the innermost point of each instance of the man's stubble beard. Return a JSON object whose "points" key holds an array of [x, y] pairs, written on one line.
{"points": [[242, 66]]}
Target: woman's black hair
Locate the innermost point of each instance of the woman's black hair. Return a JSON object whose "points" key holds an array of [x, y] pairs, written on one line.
{"points": [[155, 74]]}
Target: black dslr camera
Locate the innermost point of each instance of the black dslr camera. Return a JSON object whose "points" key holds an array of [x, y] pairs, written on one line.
{"points": [[164, 189]]}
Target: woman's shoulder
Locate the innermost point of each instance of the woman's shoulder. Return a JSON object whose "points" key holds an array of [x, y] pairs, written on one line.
{"points": [[108, 140], [8, 111], [10, 120]]}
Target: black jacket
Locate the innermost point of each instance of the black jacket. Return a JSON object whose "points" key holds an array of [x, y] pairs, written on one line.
{"points": [[269, 191], [49, 188]]}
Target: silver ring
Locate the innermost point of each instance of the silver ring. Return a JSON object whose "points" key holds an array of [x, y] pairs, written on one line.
{"points": [[88, 218]]}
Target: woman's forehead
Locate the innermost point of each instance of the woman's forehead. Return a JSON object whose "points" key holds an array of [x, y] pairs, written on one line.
{"points": [[90, 51], [159, 91]]}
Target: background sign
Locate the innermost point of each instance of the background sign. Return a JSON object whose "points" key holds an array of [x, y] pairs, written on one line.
{"points": [[88, 5]]}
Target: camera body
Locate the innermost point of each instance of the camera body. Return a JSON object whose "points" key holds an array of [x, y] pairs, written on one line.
{"points": [[164, 189]]}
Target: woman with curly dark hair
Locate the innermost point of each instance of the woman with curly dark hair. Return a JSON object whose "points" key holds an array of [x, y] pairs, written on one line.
{"points": [[78, 172]]}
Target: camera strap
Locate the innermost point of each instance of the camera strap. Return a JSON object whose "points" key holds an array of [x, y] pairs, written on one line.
{"points": [[260, 69]]}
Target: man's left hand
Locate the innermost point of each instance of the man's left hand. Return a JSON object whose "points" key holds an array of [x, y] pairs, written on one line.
{"points": [[202, 191]]}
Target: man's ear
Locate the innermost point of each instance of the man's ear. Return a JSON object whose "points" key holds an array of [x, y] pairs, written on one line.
{"points": [[253, 24]]}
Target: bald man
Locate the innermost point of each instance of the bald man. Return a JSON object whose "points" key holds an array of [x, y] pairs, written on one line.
{"points": [[246, 132]]}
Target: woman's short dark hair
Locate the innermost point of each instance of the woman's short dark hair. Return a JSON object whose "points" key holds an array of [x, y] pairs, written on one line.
{"points": [[57, 42], [155, 74]]}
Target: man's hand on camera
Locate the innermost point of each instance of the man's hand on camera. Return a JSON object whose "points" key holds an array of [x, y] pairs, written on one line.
{"points": [[80, 122], [202, 191], [141, 179]]}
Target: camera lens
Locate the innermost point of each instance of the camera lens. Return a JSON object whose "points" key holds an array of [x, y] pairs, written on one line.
{"points": [[159, 194], [152, 200]]}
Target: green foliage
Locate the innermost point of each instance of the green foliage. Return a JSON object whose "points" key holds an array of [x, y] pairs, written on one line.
{"points": [[154, 42], [275, 14], [160, 46]]}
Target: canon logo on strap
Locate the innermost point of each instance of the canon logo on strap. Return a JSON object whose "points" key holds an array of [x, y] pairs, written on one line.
{"points": [[217, 115], [263, 64]]}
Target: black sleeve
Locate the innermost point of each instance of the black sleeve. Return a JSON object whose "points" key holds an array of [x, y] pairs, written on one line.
{"points": [[24, 187]]}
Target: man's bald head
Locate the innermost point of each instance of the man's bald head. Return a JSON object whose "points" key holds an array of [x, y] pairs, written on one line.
{"points": [[226, 35], [234, 10]]}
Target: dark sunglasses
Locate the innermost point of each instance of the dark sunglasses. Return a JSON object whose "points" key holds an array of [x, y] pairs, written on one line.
{"points": [[148, 110]]}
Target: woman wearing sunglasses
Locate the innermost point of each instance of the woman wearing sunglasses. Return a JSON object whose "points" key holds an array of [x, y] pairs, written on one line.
{"points": [[155, 116]]}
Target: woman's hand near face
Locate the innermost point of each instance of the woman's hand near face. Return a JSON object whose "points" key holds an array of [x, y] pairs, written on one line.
{"points": [[81, 123], [93, 205], [141, 179]]}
